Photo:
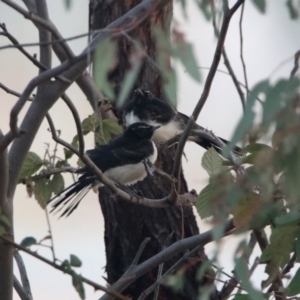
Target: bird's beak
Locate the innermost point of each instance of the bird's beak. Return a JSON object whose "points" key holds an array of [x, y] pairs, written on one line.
{"points": [[139, 92], [156, 127]]}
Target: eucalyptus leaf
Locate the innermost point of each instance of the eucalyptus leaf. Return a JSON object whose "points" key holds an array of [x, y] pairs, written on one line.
{"points": [[2, 230], [294, 286], [4, 219], [185, 53], [105, 60], [260, 5], [243, 274]]}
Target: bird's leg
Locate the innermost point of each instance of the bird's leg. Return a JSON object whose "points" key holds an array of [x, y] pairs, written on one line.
{"points": [[149, 167], [129, 191]]}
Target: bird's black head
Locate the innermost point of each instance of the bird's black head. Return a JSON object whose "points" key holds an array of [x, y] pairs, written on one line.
{"points": [[140, 130]]}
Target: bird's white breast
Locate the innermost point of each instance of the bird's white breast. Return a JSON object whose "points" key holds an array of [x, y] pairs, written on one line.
{"points": [[131, 173]]}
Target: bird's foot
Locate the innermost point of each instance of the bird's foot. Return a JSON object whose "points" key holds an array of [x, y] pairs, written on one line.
{"points": [[130, 192]]}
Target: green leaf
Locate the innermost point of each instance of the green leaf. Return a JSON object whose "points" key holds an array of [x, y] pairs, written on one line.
{"points": [[246, 121], [28, 241], [2, 230], [170, 85], [68, 4], [184, 51], [291, 218], [112, 126], [129, 80], [212, 162], [278, 97], [243, 275], [66, 267], [57, 183], [78, 285], [163, 60], [277, 253], [245, 209], [294, 13], [31, 165], [294, 286], [42, 191], [69, 153], [5, 220], [242, 297], [297, 245], [205, 266], [105, 60], [204, 203], [256, 147], [260, 5], [108, 128], [205, 9], [75, 261], [175, 281]]}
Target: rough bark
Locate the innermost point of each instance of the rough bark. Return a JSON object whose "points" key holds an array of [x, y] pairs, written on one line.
{"points": [[127, 225]]}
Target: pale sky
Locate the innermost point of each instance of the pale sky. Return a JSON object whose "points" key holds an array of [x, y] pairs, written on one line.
{"points": [[268, 40]]}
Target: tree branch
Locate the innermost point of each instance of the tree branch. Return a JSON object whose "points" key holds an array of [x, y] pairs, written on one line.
{"points": [[226, 60], [19, 289], [23, 274], [95, 285], [179, 246], [6, 251], [242, 47], [170, 271]]}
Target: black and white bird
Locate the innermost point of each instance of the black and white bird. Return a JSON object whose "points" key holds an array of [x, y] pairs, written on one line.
{"points": [[144, 107], [122, 160]]}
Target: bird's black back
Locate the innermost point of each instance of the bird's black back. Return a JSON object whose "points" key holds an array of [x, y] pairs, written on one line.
{"points": [[147, 107]]}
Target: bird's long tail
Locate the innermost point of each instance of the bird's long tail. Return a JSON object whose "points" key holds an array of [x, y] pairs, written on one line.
{"points": [[204, 139], [69, 199], [206, 142]]}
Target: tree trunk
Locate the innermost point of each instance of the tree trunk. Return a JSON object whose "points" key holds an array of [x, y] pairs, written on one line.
{"points": [[127, 225]]}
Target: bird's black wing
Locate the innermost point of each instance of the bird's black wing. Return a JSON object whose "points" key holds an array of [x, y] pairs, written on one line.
{"points": [[129, 152]]}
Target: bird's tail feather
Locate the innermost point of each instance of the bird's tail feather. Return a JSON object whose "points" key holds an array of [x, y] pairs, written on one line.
{"points": [[206, 142], [69, 199]]}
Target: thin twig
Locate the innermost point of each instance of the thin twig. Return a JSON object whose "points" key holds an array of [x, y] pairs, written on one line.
{"points": [[296, 64], [161, 266], [30, 57], [211, 74], [39, 21], [95, 285], [225, 57], [242, 47], [170, 271], [140, 251]]}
